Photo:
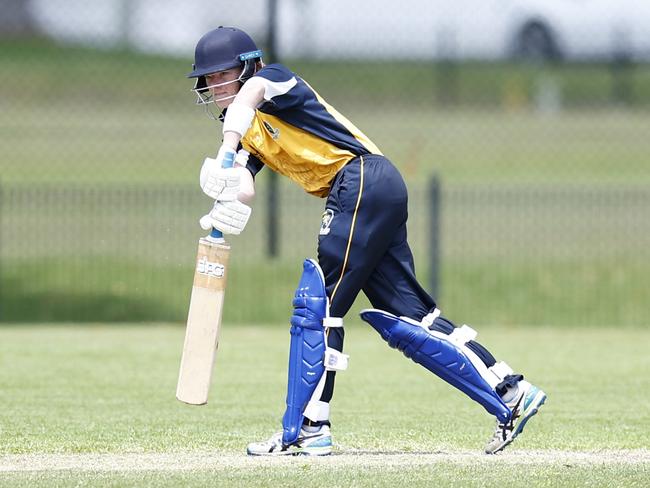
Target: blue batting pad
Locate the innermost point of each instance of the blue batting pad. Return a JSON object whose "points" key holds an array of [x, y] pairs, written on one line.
{"points": [[439, 356], [307, 349]]}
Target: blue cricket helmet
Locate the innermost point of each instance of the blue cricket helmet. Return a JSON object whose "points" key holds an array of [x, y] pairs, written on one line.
{"points": [[223, 48]]}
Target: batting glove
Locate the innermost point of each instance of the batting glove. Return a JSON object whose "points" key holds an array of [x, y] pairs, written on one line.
{"points": [[230, 217], [218, 182]]}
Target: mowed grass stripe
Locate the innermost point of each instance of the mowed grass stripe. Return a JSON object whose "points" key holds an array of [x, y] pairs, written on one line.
{"points": [[224, 461]]}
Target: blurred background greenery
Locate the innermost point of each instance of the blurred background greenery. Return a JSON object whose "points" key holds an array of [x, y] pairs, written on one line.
{"points": [[543, 165]]}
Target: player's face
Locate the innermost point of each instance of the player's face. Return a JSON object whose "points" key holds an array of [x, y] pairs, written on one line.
{"points": [[223, 86]]}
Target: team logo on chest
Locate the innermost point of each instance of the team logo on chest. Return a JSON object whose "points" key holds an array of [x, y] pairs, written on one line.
{"points": [[328, 216], [275, 132]]}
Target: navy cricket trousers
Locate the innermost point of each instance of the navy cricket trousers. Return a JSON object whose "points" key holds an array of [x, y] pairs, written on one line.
{"points": [[362, 246], [362, 243]]}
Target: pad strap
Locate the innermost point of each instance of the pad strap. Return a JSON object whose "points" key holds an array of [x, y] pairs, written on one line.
{"points": [[317, 411], [332, 322], [462, 335], [335, 360], [430, 318]]}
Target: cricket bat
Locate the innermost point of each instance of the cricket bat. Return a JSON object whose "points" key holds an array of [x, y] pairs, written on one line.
{"points": [[204, 319]]}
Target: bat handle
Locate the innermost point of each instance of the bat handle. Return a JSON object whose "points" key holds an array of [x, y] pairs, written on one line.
{"points": [[216, 234], [228, 162]]}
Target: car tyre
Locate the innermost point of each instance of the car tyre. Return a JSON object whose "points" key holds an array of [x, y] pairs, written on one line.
{"points": [[535, 43]]}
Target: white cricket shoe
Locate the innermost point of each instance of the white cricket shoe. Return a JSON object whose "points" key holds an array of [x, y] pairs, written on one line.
{"points": [[524, 405], [317, 443]]}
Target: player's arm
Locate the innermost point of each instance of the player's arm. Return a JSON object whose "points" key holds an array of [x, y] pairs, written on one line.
{"points": [[239, 116], [233, 188], [235, 125], [241, 111]]}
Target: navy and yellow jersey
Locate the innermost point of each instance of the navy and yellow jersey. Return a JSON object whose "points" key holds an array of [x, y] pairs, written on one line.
{"points": [[299, 135]]}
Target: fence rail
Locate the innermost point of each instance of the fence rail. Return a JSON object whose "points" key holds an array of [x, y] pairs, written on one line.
{"points": [[122, 253], [160, 223]]}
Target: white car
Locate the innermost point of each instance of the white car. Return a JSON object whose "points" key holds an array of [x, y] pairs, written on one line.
{"points": [[465, 29], [367, 29]]}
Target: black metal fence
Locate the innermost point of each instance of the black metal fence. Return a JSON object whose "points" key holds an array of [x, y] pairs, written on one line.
{"points": [[447, 222]]}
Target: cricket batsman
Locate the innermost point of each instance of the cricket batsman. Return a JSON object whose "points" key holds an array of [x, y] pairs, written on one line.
{"points": [[272, 117]]}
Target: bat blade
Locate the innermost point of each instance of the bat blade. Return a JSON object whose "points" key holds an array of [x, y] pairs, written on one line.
{"points": [[203, 322]]}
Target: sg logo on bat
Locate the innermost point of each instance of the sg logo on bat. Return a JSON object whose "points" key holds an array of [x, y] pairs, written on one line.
{"points": [[208, 268]]}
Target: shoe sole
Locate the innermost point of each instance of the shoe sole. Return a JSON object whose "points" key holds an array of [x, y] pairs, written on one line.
{"points": [[540, 399], [315, 446], [288, 453], [310, 452]]}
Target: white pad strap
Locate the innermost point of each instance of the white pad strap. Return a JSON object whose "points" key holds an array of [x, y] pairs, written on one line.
{"points": [[500, 370], [238, 118], [428, 319], [462, 335], [335, 360], [317, 411], [332, 322]]}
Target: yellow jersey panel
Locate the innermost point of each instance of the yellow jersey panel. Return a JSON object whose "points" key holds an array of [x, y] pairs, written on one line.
{"points": [[296, 133], [295, 153]]}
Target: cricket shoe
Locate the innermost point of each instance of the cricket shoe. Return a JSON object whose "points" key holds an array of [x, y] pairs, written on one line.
{"points": [[317, 443], [524, 405]]}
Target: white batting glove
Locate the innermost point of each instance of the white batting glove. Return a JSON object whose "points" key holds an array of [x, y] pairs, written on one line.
{"points": [[230, 217], [242, 157], [217, 181]]}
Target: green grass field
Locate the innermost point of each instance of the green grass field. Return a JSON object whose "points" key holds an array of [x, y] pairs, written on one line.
{"points": [[93, 405]]}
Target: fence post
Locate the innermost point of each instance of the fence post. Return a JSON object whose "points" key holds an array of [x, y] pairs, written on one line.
{"points": [[1, 243], [621, 68], [273, 194], [125, 14], [434, 237], [446, 69]]}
